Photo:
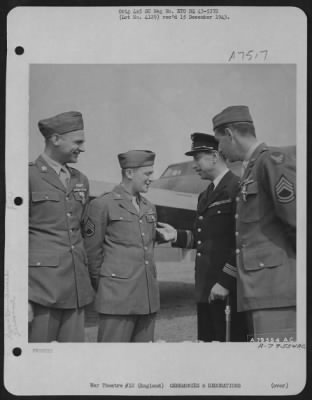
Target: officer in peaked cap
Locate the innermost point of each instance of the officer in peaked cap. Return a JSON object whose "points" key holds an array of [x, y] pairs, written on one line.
{"points": [[202, 142], [120, 232], [265, 226], [59, 283], [214, 239]]}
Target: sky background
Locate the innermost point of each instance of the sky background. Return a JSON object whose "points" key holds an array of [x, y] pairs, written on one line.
{"points": [[157, 107]]}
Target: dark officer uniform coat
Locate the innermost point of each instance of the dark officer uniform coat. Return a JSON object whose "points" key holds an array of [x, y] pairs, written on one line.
{"points": [[120, 247], [213, 237], [266, 230], [58, 269]]}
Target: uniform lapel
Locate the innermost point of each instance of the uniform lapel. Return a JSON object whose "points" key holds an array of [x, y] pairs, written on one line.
{"points": [[124, 200], [205, 202], [145, 208], [48, 174], [259, 150]]}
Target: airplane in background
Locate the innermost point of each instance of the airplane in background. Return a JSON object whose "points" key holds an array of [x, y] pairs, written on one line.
{"points": [[174, 194]]}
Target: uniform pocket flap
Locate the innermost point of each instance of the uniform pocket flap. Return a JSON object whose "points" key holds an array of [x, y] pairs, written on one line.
{"points": [[38, 259], [220, 207], [43, 196], [115, 275], [262, 257], [120, 216], [252, 188]]}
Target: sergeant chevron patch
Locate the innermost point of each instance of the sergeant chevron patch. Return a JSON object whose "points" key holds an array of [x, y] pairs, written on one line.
{"points": [[89, 228], [284, 190]]}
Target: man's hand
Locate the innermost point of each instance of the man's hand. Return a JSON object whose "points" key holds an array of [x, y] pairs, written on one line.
{"points": [[218, 292], [30, 312], [167, 232]]}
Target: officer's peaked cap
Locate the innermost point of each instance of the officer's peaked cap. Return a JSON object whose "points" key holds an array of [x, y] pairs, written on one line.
{"points": [[66, 122], [136, 158], [202, 142]]}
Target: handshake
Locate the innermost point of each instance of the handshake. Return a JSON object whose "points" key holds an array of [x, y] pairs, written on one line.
{"points": [[167, 232]]}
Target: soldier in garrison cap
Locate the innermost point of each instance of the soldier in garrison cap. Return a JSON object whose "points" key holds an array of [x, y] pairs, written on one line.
{"points": [[120, 232], [59, 282], [265, 226], [214, 239]]}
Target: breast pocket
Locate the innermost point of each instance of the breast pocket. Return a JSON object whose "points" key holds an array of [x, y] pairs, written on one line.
{"points": [[37, 197], [121, 227], [222, 207], [249, 205]]}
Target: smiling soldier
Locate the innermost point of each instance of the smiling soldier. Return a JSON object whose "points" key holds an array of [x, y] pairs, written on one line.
{"points": [[120, 232], [59, 282]]}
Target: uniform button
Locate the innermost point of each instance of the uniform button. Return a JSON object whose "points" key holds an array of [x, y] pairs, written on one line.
{"points": [[46, 197], [145, 248], [146, 262], [67, 198], [38, 263], [142, 233], [236, 216], [261, 265], [199, 242], [236, 233], [113, 274], [199, 254], [199, 230], [120, 217], [218, 212], [68, 214], [73, 247], [237, 251], [201, 217], [237, 198], [140, 221]]}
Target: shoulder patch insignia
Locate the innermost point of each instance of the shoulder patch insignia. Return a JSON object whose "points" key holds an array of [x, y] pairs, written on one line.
{"points": [[284, 190], [89, 228], [277, 157]]}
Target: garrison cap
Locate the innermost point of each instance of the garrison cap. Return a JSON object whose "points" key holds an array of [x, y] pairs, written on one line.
{"points": [[202, 142], [232, 114], [136, 158], [61, 123]]}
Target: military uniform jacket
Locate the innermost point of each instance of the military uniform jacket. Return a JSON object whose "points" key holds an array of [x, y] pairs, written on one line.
{"points": [[120, 246], [266, 230], [58, 269], [213, 237]]}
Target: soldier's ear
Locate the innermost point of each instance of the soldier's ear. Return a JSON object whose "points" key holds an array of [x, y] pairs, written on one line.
{"points": [[54, 139], [228, 132], [129, 173]]}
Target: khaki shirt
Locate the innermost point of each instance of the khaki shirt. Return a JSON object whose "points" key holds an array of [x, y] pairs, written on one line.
{"points": [[120, 245], [266, 230], [58, 269]]}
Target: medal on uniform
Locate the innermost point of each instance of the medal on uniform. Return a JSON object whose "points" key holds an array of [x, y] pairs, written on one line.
{"points": [[244, 188], [81, 192]]}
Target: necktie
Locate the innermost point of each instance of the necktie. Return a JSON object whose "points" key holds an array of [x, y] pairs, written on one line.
{"points": [[243, 168], [135, 202], [64, 176], [210, 189]]}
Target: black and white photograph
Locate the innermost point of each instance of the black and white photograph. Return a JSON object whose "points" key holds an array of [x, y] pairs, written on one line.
{"points": [[160, 203]]}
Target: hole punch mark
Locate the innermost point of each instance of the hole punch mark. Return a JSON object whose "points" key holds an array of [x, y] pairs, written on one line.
{"points": [[19, 50], [18, 201], [17, 351]]}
